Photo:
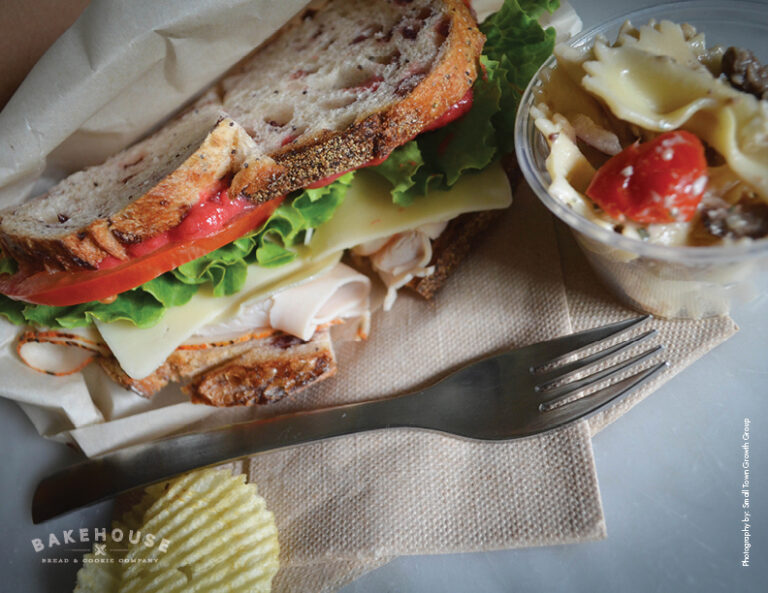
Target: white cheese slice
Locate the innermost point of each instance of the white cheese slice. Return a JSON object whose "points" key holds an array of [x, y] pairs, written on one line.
{"points": [[367, 213]]}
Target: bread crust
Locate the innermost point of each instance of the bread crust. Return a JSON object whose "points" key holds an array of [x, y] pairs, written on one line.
{"points": [[259, 177], [257, 371], [264, 377]]}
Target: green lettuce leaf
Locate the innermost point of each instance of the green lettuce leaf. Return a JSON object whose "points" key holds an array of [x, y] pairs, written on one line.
{"points": [[7, 266], [12, 310], [515, 47], [400, 170], [468, 143], [137, 306], [169, 293]]}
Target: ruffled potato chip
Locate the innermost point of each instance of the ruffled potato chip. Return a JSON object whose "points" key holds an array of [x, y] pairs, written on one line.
{"points": [[204, 532]]}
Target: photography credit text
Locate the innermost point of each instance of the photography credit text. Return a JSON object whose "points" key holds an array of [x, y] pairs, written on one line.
{"points": [[745, 493]]}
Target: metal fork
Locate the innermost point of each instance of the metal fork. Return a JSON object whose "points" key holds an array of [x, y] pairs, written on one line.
{"points": [[505, 396]]}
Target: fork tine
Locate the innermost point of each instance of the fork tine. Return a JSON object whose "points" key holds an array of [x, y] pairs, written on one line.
{"points": [[593, 402], [553, 396], [548, 352], [566, 370]]}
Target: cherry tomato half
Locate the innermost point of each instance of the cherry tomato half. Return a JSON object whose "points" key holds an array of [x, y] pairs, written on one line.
{"points": [[654, 182]]}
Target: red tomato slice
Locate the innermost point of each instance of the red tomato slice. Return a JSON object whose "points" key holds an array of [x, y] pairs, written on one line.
{"points": [[655, 182], [73, 288]]}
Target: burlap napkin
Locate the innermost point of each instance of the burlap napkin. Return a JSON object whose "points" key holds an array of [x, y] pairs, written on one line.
{"points": [[349, 505]]}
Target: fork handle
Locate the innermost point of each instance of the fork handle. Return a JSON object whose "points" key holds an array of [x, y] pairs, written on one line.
{"points": [[95, 480]]}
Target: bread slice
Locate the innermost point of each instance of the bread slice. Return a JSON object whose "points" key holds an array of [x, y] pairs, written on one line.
{"points": [[267, 372], [133, 196], [362, 78], [256, 371], [333, 90]]}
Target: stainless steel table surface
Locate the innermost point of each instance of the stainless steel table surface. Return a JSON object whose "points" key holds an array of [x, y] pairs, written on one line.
{"points": [[670, 477]]}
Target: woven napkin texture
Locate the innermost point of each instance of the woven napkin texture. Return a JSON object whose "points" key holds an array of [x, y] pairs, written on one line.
{"points": [[349, 505]]}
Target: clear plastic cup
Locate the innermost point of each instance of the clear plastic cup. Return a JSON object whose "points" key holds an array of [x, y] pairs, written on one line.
{"points": [[667, 281]]}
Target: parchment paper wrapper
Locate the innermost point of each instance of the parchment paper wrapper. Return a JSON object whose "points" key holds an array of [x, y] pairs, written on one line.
{"points": [[348, 505]]}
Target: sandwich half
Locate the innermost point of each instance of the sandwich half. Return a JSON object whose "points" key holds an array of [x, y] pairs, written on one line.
{"points": [[210, 253]]}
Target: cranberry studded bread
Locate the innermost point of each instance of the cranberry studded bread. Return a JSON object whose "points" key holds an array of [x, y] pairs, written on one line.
{"points": [[135, 195], [332, 91], [347, 85]]}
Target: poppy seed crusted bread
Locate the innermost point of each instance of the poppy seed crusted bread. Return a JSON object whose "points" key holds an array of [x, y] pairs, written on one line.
{"points": [[330, 92]]}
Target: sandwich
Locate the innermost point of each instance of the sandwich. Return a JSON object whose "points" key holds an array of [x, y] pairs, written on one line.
{"points": [[362, 141]]}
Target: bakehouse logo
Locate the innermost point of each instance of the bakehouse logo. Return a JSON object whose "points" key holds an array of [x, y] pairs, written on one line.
{"points": [[109, 547]]}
